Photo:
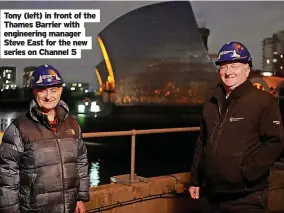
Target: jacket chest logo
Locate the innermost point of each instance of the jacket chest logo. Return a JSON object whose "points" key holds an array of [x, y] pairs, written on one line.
{"points": [[233, 119], [276, 122]]}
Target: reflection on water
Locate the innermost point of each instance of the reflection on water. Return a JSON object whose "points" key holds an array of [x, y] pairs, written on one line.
{"points": [[6, 118], [94, 173]]}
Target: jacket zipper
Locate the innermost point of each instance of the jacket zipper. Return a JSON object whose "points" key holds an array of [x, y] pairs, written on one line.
{"points": [[220, 128], [219, 110], [214, 130], [62, 172]]}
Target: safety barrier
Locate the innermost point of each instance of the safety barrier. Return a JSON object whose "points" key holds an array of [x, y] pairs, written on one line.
{"points": [[125, 178], [133, 178]]}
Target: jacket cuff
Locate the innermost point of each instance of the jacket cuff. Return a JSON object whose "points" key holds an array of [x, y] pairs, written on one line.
{"points": [[83, 196], [195, 183]]}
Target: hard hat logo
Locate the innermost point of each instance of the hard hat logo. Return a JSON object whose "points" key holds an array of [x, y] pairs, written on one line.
{"points": [[46, 75], [223, 53], [238, 47], [235, 54], [51, 72]]}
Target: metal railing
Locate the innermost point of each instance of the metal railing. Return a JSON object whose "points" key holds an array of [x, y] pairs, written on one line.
{"points": [[133, 134], [5, 122]]}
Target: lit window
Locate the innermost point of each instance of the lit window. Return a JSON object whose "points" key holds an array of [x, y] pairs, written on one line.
{"points": [[268, 61]]}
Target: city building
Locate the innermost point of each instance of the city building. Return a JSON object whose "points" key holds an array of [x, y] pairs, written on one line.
{"points": [[278, 62], [7, 78], [77, 87], [27, 74], [272, 50]]}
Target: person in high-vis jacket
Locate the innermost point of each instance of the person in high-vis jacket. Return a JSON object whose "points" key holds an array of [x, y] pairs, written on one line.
{"points": [[43, 160], [241, 137]]}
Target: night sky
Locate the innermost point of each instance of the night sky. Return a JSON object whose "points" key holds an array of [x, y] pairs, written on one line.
{"points": [[248, 22]]}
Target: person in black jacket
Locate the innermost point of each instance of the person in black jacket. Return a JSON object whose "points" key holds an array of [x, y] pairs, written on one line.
{"points": [[241, 136], [43, 160]]}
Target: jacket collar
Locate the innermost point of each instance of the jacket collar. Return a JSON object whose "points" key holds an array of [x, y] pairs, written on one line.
{"points": [[62, 111], [220, 93]]}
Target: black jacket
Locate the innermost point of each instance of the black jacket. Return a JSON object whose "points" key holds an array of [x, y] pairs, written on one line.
{"points": [[240, 139], [43, 171]]}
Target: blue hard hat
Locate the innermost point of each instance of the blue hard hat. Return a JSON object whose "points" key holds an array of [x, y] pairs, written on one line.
{"points": [[44, 76], [234, 51]]}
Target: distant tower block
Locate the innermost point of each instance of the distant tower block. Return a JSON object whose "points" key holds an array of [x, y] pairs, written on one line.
{"points": [[27, 74], [205, 32]]}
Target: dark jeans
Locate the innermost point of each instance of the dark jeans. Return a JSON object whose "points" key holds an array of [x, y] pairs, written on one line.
{"points": [[248, 203]]}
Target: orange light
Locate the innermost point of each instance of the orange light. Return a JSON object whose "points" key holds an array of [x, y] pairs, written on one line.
{"points": [[107, 61], [258, 86], [99, 77]]}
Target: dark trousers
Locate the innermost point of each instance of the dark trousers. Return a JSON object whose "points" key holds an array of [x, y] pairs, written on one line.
{"points": [[248, 203]]}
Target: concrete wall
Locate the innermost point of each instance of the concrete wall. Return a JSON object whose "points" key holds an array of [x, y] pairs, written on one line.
{"points": [[151, 197], [140, 197]]}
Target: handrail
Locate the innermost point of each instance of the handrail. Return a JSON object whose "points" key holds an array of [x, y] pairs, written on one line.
{"points": [[139, 132], [133, 134]]}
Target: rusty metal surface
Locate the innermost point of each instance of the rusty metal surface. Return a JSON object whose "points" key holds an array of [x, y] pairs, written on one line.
{"points": [[161, 61]]}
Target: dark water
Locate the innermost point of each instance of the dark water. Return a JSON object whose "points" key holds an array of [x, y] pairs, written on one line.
{"points": [[156, 154]]}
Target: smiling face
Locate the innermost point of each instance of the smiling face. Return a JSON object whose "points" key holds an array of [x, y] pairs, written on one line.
{"points": [[48, 97], [233, 74]]}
